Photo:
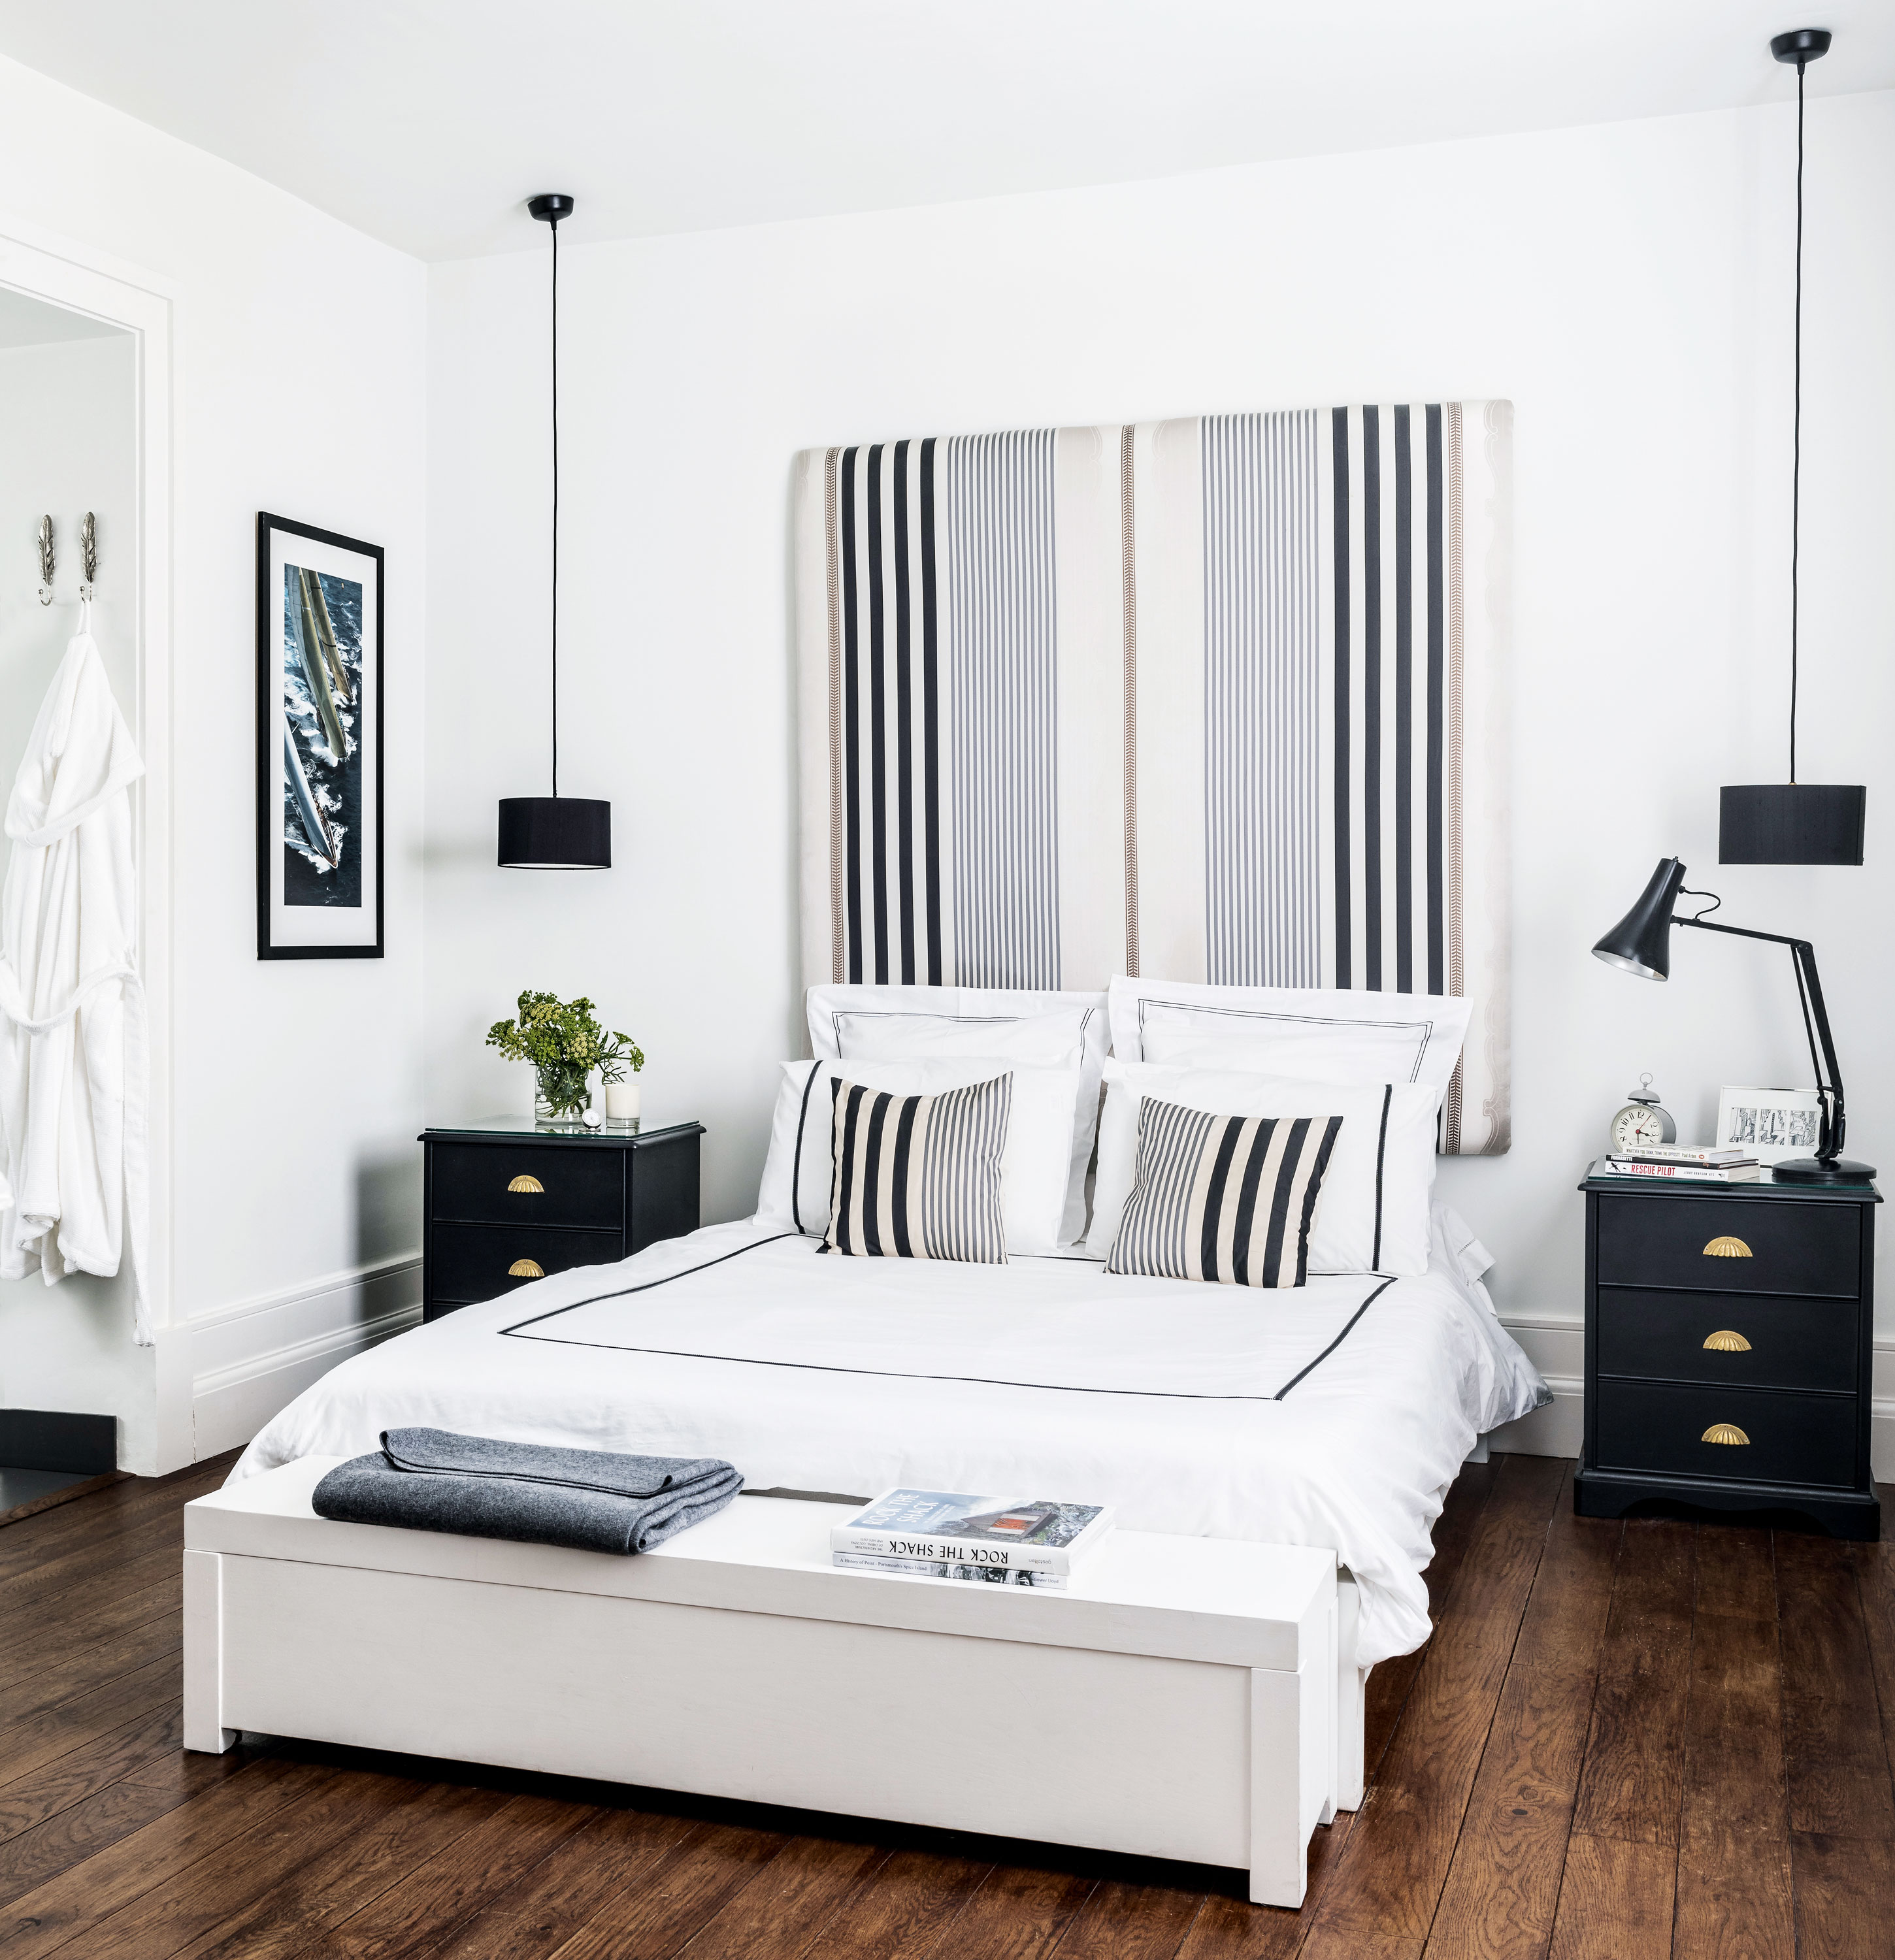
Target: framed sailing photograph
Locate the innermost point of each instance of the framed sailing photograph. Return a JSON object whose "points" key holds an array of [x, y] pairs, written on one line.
{"points": [[319, 744]]}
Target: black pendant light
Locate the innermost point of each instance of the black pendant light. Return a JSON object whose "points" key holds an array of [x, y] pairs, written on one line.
{"points": [[555, 833], [1793, 822]]}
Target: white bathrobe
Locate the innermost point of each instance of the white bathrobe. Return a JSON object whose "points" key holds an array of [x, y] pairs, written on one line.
{"points": [[73, 1062]]}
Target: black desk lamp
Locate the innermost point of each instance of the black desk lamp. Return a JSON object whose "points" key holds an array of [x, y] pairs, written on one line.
{"points": [[1641, 944]]}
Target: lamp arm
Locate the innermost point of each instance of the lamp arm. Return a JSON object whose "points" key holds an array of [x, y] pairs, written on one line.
{"points": [[1816, 1026]]}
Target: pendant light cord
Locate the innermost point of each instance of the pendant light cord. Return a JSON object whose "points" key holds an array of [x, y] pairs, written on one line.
{"points": [[556, 518], [1796, 439]]}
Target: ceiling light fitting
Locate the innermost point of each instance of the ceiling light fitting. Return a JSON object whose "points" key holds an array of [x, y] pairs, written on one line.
{"points": [[555, 833], [1793, 822]]}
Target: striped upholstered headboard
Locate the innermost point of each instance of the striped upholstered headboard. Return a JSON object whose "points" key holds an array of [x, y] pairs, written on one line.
{"points": [[1216, 699]]}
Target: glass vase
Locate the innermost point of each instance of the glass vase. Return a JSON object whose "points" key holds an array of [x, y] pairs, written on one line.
{"points": [[561, 1098]]}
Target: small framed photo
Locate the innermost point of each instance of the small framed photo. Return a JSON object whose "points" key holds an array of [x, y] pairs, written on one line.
{"points": [[1769, 1123], [319, 744]]}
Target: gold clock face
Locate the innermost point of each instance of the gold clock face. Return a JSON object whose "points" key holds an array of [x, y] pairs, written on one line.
{"points": [[1636, 1126]]}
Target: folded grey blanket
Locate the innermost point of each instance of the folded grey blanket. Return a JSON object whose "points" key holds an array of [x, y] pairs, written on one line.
{"points": [[592, 1499]]}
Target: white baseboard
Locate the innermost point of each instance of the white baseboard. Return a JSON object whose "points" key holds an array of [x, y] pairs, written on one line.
{"points": [[253, 1359], [1555, 1341]]}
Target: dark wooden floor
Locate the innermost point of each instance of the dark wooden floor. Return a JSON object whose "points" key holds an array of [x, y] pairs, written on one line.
{"points": [[1622, 1740]]}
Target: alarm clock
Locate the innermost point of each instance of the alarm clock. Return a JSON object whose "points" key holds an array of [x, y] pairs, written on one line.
{"points": [[1642, 1123]]}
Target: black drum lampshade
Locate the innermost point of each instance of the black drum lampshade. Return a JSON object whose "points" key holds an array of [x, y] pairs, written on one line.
{"points": [[556, 834], [1791, 823]]}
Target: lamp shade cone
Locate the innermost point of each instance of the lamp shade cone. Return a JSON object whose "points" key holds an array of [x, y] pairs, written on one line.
{"points": [[1641, 942], [1791, 823], [556, 834]]}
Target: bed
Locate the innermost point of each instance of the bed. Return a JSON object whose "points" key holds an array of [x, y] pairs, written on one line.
{"points": [[1332, 1415]]}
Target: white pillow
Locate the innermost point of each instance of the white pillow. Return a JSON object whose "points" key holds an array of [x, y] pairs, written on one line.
{"points": [[1373, 1213], [1320, 1034], [795, 1190], [1019, 1024]]}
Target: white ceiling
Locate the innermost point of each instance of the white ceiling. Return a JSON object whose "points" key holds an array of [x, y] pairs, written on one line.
{"points": [[26, 322], [426, 123]]}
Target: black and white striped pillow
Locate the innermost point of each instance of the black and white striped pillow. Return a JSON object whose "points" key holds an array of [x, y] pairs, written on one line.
{"points": [[1228, 1198], [918, 1177]]}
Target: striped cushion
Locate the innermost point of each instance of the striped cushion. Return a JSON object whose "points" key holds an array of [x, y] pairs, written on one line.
{"points": [[1228, 1198], [918, 1177]]}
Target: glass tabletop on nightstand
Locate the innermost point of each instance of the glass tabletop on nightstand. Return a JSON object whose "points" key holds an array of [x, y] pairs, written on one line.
{"points": [[525, 1127]]}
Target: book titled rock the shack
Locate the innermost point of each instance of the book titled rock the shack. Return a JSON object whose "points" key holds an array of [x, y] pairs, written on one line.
{"points": [[958, 1534]]}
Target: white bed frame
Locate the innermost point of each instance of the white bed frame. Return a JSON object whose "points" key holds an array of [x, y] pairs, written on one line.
{"points": [[1189, 1698]]}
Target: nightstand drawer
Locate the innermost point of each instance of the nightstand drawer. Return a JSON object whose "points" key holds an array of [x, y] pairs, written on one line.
{"points": [[1730, 1245], [1661, 1428], [473, 1262], [1733, 1339], [568, 1184]]}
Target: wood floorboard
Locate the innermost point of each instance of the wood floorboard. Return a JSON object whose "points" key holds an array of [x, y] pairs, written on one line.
{"points": [[1734, 1854], [117, 1612], [85, 1669], [688, 1889], [612, 1853], [1503, 1883], [1845, 1897], [1230, 1928], [1125, 1922], [160, 1857], [1014, 1914], [779, 1913], [1388, 1683], [1397, 1861], [1651, 1741], [103, 1793], [915, 1896], [1838, 1772], [425, 1908]]}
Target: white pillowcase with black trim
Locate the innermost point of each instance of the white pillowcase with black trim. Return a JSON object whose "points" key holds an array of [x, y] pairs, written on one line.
{"points": [[796, 1187], [1315, 1034], [1041, 1028], [1372, 1216]]}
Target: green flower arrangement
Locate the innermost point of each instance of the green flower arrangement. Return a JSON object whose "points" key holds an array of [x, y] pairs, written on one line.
{"points": [[565, 1043]]}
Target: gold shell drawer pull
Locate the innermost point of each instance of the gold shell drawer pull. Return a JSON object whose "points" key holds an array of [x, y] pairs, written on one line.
{"points": [[1723, 1432], [1727, 1341], [1728, 1249], [531, 1269], [523, 1182]]}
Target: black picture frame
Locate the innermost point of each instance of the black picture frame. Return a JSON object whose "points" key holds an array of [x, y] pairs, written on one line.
{"points": [[294, 921]]}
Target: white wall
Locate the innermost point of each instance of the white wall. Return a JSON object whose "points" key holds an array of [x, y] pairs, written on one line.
{"points": [[67, 445], [298, 388], [1626, 286]]}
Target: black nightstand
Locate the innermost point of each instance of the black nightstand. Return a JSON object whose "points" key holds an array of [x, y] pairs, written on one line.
{"points": [[1727, 1349], [505, 1204]]}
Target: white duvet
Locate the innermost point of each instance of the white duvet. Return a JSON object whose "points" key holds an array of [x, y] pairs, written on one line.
{"points": [[1170, 1399]]}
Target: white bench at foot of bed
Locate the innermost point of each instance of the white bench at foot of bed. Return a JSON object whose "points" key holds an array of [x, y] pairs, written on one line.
{"points": [[1181, 1701]]}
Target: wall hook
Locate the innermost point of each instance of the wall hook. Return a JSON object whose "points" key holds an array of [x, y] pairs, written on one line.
{"points": [[46, 561], [88, 553]]}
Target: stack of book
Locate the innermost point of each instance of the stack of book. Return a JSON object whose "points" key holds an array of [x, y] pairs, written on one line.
{"points": [[1695, 1163], [955, 1535]]}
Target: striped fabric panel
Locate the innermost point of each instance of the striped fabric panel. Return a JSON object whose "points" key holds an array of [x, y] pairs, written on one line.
{"points": [[1224, 1198], [997, 547], [885, 715], [1394, 705], [1263, 625], [918, 1177]]}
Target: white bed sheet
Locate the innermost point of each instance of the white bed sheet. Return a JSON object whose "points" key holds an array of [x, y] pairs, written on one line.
{"points": [[1046, 1377]]}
